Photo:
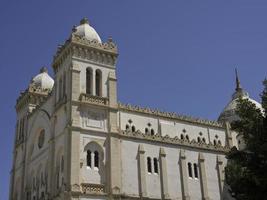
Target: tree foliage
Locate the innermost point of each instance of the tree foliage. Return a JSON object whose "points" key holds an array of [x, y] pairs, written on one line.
{"points": [[246, 172]]}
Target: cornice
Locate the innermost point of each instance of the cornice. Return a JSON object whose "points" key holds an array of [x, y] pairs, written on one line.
{"points": [[175, 141], [169, 115], [79, 47]]}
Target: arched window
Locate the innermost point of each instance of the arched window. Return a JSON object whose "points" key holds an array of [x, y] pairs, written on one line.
{"points": [[219, 142], [96, 160], [198, 139], [64, 84], [187, 137], [133, 128], [62, 163], [203, 140], [127, 127], [155, 162], [195, 170], [149, 167], [182, 136], [89, 159], [146, 130], [60, 88], [89, 81], [98, 82], [214, 142], [152, 132], [190, 174]]}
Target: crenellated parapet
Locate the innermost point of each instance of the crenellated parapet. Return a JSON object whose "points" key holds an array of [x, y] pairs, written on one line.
{"points": [[174, 140], [79, 47], [170, 115]]}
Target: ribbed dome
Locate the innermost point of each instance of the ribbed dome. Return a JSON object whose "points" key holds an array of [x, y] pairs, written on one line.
{"points": [[85, 30], [43, 80], [228, 113]]}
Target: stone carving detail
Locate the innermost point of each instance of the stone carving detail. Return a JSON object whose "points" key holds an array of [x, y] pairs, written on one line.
{"points": [[174, 140], [93, 120], [89, 188], [139, 109]]}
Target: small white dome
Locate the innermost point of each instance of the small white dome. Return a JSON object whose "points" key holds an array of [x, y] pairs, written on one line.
{"points": [[229, 112], [43, 80], [85, 30]]}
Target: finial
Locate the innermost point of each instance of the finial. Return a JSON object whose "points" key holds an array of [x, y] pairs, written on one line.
{"points": [[84, 21], [74, 29], [238, 85], [43, 70], [110, 39]]}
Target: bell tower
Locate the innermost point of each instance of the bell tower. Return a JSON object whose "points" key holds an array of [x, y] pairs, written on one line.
{"points": [[91, 97]]}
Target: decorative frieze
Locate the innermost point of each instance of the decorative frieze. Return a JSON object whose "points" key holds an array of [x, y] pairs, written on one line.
{"points": [[170, 115]]}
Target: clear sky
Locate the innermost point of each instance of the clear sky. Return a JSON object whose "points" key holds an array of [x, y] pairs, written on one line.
{"points": [[177, 56]]}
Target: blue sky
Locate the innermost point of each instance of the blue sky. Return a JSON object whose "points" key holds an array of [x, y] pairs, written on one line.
{"points": [[177, 56]]}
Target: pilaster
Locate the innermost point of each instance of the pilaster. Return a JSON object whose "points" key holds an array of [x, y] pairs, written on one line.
{"points": [[74, 159], [75, 82], [220, 174], [203, 177], [183, 175], [142, 171], [163, 174]]}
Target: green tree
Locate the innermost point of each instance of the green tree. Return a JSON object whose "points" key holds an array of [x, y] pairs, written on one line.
{"points": [[246, 172]]}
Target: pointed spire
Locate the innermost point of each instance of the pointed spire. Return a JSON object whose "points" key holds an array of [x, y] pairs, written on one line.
{"points": [[238, 85]]}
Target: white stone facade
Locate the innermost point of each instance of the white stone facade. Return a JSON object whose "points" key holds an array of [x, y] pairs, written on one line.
{"points": [[75, 141]]}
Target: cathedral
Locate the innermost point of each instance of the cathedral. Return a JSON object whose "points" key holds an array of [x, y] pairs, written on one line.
{"points": [[75, 141]]}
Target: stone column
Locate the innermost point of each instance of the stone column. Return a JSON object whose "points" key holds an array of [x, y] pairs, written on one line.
{"points": [[142, 171], [94, 84], [229, 139], [183, 175], [163, 174], [203, 177], [220, 173]]}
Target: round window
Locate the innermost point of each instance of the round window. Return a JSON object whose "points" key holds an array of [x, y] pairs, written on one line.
{"points": [[41, 139]]}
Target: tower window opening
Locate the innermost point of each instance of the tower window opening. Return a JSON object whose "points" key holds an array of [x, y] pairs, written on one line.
{"points": [[98, 80], [152, 132], [88, 158], [190, 174], [182, 136], [146, 130], [214, 142], [133, 128], [155, 162], [198, 139], [149, 166], [195, 170], [203, 140], [96, 159], [89, 80]]}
